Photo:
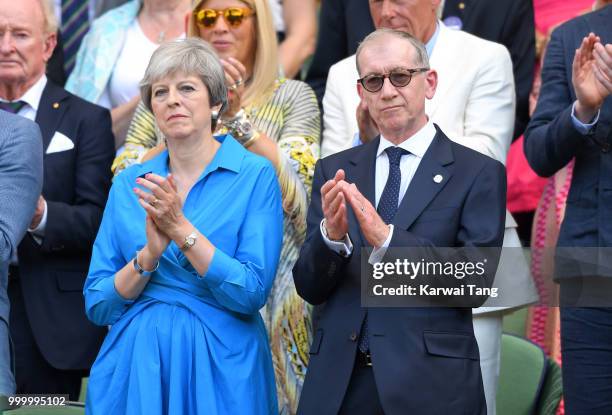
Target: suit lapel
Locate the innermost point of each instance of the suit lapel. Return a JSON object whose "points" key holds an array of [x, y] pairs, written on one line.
{"points": [[51, 109], [433, 173], [362, 173], [600, 24]]}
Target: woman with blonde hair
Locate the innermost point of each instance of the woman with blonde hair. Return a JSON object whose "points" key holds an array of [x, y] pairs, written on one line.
{"points": [[272, 117]]}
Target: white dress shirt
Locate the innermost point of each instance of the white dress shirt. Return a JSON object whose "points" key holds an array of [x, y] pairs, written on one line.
{"points": [[416, 145]]}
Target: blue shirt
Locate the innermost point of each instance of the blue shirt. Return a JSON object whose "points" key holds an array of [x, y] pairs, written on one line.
{"points": [[236, 204]]}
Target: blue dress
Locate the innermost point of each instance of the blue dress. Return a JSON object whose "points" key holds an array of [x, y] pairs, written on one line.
{"points": [[189, 344]]}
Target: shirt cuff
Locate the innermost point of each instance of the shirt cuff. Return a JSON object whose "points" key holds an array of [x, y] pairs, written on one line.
{"points": [[221, 266], [378, 253], [39, 232], [579, 125], [343, 248]]}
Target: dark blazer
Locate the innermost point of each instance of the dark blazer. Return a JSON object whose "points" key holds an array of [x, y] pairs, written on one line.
{"points": [[55, 66], [425, 360], [551, 140], [76, 184], [511, 23], [344, 23]]}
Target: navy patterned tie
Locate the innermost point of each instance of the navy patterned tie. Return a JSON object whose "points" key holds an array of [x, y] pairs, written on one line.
{"points": [[387, 208], [75, 24], [12, 107]]}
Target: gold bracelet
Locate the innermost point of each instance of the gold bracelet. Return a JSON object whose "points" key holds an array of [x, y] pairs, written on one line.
{"points": [[252, 140]]}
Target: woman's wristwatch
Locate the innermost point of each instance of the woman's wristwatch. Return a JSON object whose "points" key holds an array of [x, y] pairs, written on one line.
{"points": [[241, 129], [189, 241]]}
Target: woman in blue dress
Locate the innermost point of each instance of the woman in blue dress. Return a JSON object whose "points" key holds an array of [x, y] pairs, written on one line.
{"points": [[185, 258]]}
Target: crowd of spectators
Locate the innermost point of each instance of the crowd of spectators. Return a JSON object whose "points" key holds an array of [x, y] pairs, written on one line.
{"points": [[180, 143]]}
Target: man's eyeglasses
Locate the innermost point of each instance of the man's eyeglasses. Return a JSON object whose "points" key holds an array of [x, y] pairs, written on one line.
{"points": [[234, 16], [398, 78]]}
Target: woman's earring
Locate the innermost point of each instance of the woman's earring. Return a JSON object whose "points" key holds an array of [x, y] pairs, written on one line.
{"points": [[214, 118]]}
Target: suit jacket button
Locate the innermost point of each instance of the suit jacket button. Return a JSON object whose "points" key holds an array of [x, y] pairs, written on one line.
{"points": [[353, 336]]}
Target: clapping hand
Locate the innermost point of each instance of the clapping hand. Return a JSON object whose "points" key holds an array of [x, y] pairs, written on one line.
{"points": [[334, 207], [334, 196], [235, 77], [591, 76], [164, 209], [38, 213], [368, 129], [372, 226]]}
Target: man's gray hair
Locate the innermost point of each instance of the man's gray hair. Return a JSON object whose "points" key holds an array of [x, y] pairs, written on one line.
{"points": [[421, 59], [191, 56], [48, 10]]}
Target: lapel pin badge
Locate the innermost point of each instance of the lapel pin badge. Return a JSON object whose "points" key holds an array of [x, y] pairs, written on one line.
{"points": [[438, 178], [55, 105], [453, 22]]}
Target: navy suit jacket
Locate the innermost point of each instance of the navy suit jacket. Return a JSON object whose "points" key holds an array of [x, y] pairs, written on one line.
{"points": [[76, 185], [342, 25], [425, 360], [551, 140]]}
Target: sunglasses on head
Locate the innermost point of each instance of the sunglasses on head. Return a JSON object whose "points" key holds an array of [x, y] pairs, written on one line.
{"points": [[232, 15], [398, 77]]}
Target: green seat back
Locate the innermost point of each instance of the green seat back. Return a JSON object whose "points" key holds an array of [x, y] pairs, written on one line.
{"points": [[552, 390], [522, 371], [70, 409], [516, 322]]}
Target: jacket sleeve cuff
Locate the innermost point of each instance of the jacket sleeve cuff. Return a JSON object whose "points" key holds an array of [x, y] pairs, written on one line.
{"points": [[579, 125], [343, 248]]}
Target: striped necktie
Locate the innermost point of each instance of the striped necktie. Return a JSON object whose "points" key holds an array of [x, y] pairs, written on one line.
{"points": [[387, 208], [12, 107], [75, 24]]}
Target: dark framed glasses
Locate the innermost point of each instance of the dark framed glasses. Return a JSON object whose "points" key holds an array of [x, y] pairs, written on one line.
{"points": [[234, 16], [398, 77]]}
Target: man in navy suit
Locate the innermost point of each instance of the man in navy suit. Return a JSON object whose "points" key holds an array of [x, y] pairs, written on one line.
{"points": [[573, 120], [55, 344], [20, 185], [409, 187]]}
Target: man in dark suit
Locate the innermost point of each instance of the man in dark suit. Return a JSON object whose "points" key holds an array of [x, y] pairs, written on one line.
{"points": [[511, 23], [54, 342], [573, 120], [343, 23], [428, 192]]}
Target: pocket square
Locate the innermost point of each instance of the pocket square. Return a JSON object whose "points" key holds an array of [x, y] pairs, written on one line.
{"points": [[59, 142]]}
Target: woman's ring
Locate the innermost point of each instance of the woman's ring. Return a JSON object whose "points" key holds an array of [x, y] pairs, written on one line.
{"points": [[154, 202], [238, 82], [362, 208]]}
